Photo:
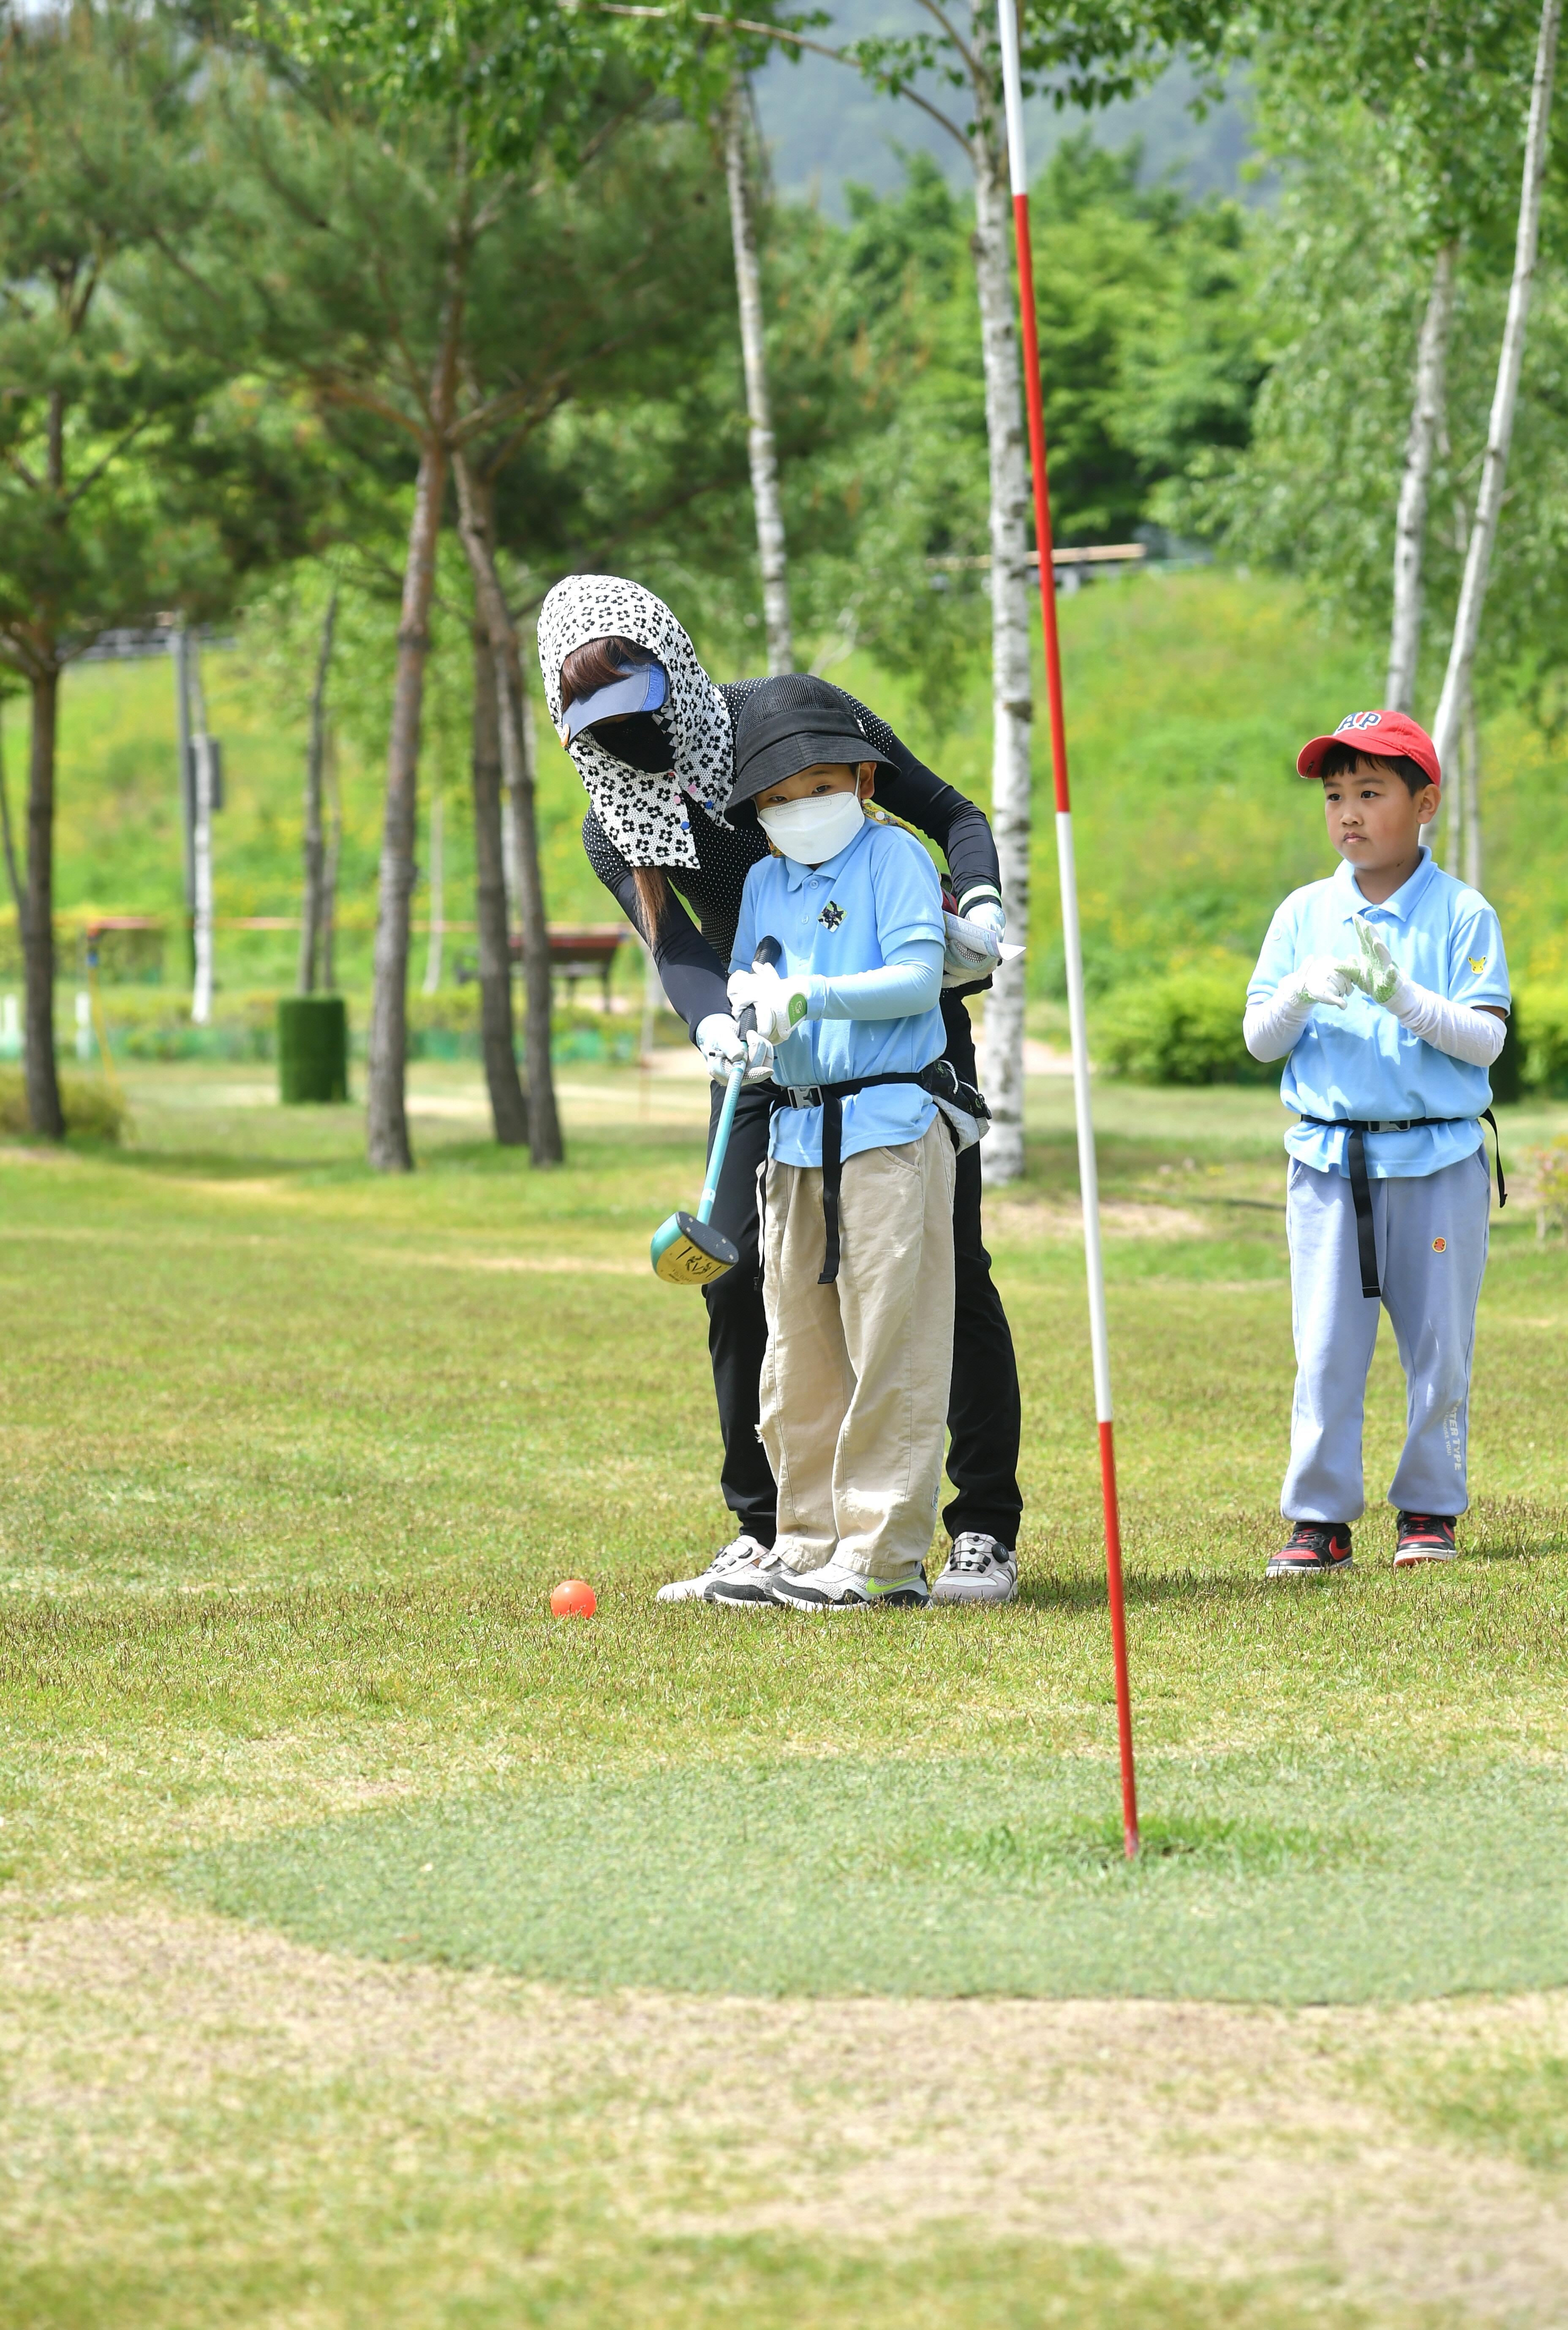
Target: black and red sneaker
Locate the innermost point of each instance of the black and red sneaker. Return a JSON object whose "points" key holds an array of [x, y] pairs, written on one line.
{"points": [[1425, 1537], [1316, 1549]]}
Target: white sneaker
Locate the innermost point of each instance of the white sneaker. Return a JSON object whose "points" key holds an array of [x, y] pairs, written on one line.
{"points": [[979, 1569], [834, 1588], [747, 1584], [740, 1550]]}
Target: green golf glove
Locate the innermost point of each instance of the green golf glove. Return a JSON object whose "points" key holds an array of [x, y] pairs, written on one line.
{"points": [[1370, 966]]}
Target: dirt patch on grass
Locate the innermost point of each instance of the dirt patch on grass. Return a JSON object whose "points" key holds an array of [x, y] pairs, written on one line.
{"points": [[1208, 2139], [1060, 1220]]}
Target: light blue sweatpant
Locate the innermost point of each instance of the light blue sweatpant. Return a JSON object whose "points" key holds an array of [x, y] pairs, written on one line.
{"points": [[1432, 1252]]}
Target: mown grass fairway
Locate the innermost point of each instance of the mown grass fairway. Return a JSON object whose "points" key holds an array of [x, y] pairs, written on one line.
{"points": [[377, 1950]]}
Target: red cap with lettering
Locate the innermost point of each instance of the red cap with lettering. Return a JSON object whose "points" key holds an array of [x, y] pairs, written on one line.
{"points": [[1381, 736]]}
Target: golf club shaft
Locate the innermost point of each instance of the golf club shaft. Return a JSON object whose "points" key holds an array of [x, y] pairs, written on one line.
{"points": [[721, 1142], [746, 1026]]}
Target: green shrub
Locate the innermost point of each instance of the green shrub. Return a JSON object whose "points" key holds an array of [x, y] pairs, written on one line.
{"points": [[1540, 1030], [1185, 1028], [91, 1109]]}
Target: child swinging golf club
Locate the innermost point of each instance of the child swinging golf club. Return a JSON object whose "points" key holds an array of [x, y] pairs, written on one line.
{"points": [[857, 1236], [1385, 991]]}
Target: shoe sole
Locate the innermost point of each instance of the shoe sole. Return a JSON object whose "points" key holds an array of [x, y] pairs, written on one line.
{"points": [[1419, 1559], [837, 1609], [1309, 1568], [956, 1601]]}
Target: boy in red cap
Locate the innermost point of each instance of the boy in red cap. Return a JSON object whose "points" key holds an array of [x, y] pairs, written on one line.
{"points": [[1385, 991]]}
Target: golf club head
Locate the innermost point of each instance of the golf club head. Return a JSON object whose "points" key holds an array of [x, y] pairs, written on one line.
{"points": [[689, 1253]]}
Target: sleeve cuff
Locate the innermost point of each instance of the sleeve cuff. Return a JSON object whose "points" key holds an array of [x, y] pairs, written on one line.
{"points": [[978, 893]]}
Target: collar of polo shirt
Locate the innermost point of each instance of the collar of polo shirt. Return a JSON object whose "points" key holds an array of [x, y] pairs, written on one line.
{"points": [[1405, 899]]}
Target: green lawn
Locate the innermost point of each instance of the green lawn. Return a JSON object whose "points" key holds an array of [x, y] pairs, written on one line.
{"points": [[376, 1949]]}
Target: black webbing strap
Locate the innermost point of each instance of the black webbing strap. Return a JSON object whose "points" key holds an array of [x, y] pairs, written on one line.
{"points": [[940, 1076], [1361, 1184]]}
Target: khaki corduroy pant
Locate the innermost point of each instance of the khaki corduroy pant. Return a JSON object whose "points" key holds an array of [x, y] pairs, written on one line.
{"points": [[855, 1379]]}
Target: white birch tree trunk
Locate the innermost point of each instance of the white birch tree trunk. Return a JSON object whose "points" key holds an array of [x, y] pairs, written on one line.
{"points": [[1410, 526], [1456, 818], [760, 442], [180, 650], [1002, 1157], [1505, 400], [1471, 869]]}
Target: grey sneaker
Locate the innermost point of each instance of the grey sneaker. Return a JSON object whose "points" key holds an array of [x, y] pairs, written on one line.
{"points": [[733, 1556], [979, 1569], [834, 1588]]}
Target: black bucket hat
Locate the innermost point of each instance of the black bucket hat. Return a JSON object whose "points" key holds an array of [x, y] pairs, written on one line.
{"points": [[790, 724]]}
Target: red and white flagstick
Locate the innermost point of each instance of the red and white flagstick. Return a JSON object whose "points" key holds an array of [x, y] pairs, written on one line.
{"points": [[1088, 1175]]}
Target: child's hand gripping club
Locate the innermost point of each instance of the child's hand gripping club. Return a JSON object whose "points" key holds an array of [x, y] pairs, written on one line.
{"points": [[686, 1250]]}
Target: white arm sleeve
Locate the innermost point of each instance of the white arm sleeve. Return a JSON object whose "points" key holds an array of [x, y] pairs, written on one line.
{"points": [[1459, 1029], [1269, 1029], [909, 984]]}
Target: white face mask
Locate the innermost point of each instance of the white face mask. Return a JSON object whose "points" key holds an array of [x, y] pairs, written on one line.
{"points": [[812, 832]]}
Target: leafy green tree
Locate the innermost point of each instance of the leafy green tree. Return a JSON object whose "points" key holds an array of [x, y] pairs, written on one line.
{"points": [[1334, 292], [1431, 95], [96, 527], [1086, 54]]}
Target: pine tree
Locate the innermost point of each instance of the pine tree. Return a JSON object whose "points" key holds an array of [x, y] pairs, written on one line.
{"points": [[96, 527]]}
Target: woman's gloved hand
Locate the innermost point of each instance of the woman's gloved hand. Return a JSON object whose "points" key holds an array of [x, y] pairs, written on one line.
{"points": [[781, 1004], [972, 944], [722, 1043]]}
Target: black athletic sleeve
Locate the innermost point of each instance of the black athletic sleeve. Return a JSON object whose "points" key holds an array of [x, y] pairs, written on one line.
{"points": [[920, 797], [690, 973]]}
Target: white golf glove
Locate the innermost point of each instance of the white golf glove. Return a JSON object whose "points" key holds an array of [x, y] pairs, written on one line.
{"points": [[1322, 979], [781, 1004], [972, 944], [722, 1043], [1370, 966]]}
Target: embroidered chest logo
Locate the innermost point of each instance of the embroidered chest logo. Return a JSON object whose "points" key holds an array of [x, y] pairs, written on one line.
{"points": [[831, 915], [1478, 963]]}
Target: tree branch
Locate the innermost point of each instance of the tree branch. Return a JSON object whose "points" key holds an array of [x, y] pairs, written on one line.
{"points": [[971, 61], [97, 472], [794, 40]]}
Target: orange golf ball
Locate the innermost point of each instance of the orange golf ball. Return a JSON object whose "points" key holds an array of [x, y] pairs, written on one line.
{"points": [[574, 1599]]}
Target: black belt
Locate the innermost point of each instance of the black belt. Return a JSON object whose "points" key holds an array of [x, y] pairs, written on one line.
{"points": [[1361, 1186], [941, 1078]]}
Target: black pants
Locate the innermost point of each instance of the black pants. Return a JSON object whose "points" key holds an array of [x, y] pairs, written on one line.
{"points": [[983, 1412]]}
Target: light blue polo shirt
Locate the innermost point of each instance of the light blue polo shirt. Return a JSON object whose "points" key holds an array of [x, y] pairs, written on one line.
{"points": [[848, 914], [1360, 1061]]}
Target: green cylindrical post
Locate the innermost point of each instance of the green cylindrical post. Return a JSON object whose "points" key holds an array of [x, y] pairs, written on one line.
{"points": [[312, 1048]]}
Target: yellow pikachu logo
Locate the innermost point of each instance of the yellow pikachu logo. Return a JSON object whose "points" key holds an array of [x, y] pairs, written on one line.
{"points": [[1478, 965]]}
